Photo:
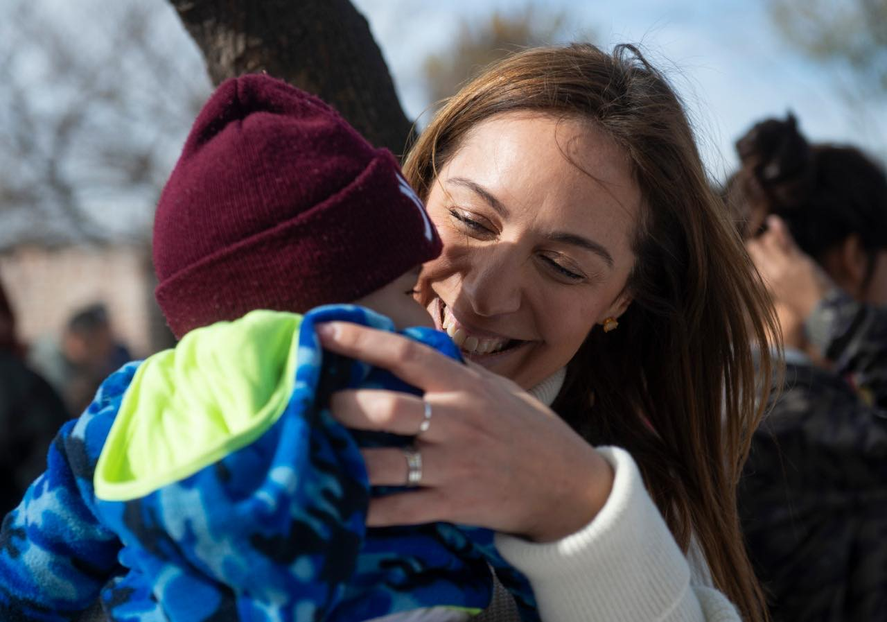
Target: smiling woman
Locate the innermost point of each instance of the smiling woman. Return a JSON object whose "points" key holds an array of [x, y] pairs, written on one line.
{"points": [[569, 195], [531, 262]]}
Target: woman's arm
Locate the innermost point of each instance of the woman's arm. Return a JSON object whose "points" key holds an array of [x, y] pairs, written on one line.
{"points": [[624, 565], [582, 525]]}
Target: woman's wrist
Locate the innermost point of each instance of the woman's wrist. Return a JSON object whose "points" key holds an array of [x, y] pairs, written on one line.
{"points": [[580, 505], [623, 565]]}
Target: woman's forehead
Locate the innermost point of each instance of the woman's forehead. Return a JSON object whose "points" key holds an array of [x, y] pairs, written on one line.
{"points": [[558, 149]]}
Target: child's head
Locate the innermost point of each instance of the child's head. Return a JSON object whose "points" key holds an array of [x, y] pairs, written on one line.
{"points": [[277, 203]]}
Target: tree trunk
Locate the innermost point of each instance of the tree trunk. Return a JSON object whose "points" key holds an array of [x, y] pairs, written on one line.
{"points": [[322, 46]]}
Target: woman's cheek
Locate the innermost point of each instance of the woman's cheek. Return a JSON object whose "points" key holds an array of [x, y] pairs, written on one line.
{"points": [[456, 255], [433, 272], [455, 246], [573, 314]]}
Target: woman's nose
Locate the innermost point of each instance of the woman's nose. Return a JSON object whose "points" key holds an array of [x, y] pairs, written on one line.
{"points": [[492, 283]]}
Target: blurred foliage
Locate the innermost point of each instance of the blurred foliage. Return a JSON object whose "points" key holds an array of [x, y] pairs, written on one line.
{"points": [[850, 34], [96, 101], [479, 44]]}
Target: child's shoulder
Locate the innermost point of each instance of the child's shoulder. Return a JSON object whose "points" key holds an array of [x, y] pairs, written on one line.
{"points": [[78, 444], [106, 403]]}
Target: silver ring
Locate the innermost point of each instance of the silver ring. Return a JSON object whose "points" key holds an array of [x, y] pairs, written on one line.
{"points": [[426, 422], [414, 466]]}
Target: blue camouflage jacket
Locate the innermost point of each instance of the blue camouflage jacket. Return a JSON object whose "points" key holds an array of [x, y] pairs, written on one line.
{"points": [[210, 482]]}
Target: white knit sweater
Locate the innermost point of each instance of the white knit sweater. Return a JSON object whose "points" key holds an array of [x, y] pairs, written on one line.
{"points": [[624, 565]]}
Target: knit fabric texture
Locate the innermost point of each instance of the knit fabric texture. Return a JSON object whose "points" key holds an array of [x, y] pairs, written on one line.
{"points": [[277, 203]]}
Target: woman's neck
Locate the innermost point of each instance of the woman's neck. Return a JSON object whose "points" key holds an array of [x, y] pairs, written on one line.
{"points": [[547, 390]]}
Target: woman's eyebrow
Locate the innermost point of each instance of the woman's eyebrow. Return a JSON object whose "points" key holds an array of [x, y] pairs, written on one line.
{"points": [[495, 203], [582, 242]]}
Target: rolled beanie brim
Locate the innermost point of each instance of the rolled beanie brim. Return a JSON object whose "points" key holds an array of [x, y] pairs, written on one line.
{"points": [[329, 253]]}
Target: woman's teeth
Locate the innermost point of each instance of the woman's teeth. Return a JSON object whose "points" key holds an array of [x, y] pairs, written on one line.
{"points": [[470, 343]]}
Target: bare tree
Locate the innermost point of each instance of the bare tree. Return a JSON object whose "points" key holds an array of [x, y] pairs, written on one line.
{"points": [[97, 99], [851, 34], [849, 37], [322, 46], [479, 44], [91, 118]]}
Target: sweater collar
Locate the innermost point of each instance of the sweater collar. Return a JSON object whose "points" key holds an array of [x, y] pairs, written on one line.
{"points": [[547, 390]]}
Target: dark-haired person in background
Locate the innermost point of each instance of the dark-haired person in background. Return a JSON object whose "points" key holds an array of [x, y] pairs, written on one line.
{"points": [[30, 414], [77, 363], [814, 497]]}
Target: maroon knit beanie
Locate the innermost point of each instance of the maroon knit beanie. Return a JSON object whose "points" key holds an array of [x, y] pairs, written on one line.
{"points": [[277, 203]]}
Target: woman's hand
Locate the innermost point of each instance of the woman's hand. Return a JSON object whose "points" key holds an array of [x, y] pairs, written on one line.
{"points": [[493, 456], [795, 282]]}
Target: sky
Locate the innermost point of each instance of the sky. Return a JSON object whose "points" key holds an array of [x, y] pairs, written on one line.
{"points": [[727, 61]]}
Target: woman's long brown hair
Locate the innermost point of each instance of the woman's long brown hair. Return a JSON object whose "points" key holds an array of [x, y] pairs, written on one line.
{"points": [[676, 384]]}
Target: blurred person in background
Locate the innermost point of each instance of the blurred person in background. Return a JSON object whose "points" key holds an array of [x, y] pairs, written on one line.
{"points": [[86, 353], [814, 497], [30, 414]]}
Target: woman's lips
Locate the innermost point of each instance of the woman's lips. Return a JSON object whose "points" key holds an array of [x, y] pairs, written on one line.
{"points": [[470, 341]]}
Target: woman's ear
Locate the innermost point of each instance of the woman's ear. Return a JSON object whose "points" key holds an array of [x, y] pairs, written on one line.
{"points": [[619, 306], [848, 265]]}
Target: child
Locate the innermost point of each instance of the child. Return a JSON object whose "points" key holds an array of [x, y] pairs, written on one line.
{"points": [[213, 473]]}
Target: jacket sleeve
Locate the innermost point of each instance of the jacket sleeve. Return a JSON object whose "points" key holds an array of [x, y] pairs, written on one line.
{"points": [[55, 555], [854, 336], [624, 565]]}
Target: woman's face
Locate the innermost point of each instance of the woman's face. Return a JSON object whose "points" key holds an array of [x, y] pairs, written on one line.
{"points": [[536, 251]]}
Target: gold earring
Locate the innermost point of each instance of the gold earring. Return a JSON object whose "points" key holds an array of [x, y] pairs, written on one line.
{"points": [[610, 324]]}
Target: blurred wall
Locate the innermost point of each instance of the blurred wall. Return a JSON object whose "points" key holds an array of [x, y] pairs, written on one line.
{"points": [[46, 285]]}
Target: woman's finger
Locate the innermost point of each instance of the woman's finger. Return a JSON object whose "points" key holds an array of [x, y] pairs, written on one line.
{"points": [[388, 466], [412, 362], [386, 411], [414, 507]]}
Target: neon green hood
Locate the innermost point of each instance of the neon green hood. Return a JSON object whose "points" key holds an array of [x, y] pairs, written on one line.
{"points": [[220, 389]]}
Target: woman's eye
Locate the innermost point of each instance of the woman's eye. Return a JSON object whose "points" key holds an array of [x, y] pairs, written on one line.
{"points": [[560, 270], [468, 222]]}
